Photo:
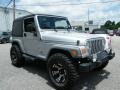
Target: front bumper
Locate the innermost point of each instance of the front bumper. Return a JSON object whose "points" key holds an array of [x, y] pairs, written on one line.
{"points": [[111, 54], [89, 66]]}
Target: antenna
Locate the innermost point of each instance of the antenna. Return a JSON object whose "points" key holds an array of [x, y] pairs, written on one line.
{"points": [[14, 9], [88, 16]]}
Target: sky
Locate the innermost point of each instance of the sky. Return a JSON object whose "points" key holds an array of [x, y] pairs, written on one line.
{"points": [[98, 12]]}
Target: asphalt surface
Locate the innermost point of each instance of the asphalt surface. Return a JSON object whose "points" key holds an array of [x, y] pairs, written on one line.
{"points": [[33, 76]]}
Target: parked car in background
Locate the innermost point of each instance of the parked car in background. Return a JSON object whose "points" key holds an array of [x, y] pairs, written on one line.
{"points": [[5, 37], [118, 33], [111, 32], [99, 31]]}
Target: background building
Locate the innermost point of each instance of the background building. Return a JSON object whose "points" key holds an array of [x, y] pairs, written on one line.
{"points": [[6, 17], [84, 26]]}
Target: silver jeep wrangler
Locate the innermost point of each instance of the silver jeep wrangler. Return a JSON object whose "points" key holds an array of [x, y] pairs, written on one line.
{"points": [[66, 52]]}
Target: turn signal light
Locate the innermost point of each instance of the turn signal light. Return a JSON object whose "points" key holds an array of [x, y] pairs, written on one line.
{"points": [[74, 53]]}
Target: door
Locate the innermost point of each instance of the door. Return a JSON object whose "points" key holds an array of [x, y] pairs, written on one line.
{"points": [[31, 39]]}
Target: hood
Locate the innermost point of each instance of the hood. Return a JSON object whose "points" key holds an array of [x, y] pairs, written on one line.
{"points": [[65, 36], [106, 36]]}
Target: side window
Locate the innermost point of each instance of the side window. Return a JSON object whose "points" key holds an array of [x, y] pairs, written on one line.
{"points": [[29, 25]]}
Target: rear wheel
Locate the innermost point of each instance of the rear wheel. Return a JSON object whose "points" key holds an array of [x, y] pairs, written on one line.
{"points": [[16, 56], [62, 72]]}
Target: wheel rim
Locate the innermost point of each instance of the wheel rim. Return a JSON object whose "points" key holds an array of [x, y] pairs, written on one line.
{"points": [[14, 56], [58, 73]]}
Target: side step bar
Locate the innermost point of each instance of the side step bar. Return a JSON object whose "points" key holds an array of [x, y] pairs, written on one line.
{"points": [[29, 57]]}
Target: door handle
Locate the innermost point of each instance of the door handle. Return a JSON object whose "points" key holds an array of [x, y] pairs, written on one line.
{"points": [[25, 34]]}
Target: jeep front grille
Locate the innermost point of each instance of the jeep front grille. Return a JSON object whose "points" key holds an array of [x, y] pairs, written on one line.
{"points": [[96, 45]]}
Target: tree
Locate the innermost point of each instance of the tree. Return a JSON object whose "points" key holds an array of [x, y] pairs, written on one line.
{"points": [[111, 25], [107, 24], [118, 25]]}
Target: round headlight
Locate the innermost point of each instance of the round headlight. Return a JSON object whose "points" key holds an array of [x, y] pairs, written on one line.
{"points": [[74, 53]]}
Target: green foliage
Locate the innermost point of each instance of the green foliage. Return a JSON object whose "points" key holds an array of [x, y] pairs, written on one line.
{"points": [[118, 25], [111, 25]]}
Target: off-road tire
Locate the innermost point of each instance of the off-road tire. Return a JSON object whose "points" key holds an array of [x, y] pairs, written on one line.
{"points": [[101, 67], [16, 56], [71, 73]]}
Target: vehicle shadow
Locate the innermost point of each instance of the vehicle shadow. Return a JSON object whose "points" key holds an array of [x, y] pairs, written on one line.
{"points": [[87, 81]]}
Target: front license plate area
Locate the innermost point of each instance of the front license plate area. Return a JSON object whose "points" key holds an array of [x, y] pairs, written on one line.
{"points": [[95, 57]]}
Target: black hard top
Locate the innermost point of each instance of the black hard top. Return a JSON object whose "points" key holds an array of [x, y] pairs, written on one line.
{"points": [[38, 15], [17, 30]]}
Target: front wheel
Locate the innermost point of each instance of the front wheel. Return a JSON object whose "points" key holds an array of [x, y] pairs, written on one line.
{"points": [[62, 72]]}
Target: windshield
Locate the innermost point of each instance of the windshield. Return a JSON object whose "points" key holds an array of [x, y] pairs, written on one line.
{"points": [[53, 22]]}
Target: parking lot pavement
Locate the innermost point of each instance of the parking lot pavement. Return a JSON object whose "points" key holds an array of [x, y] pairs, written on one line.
{"points": [[33, 76]]}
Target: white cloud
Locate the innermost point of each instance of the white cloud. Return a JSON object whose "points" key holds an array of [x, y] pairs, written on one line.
{"points": [[75, 12]]}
